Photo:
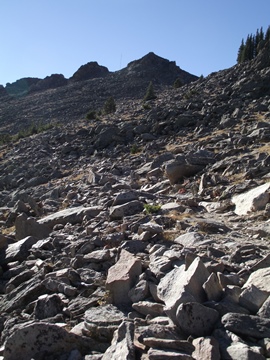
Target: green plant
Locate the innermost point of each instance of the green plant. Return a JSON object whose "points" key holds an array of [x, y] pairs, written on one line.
{"points": [[5, 138], [31, 130], [109, 106], [134, 149], [150, 93], [91, 115], [178, 83], [151, 209]]}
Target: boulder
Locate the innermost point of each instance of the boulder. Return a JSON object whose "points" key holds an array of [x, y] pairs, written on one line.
{"points": [[122, 346], [39, 339], [72, 216], [251, 201], [196, 319], [206, 348], [19, 251], [127, 209], [123, 276], [181, 286], [29, 226]]}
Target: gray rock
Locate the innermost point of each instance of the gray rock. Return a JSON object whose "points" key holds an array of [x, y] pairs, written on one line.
{"points": [[122, 346], [179, 168], [196, 319], [102, 321], [19, 250], [238, 350], [260, 279], [247, 325], [252, 298], [251, 201], [212, 288], [149, 308], [206, 348], [189, 239], [72, 216], [28, 226], [119, 211], [181, 285], [48, 306], [38, 339], [156, 354], [122, 277]]}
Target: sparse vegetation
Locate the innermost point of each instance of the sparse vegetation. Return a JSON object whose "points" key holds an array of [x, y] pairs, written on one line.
{"points": [[150, 93], [178, 83], [31, 130], [151, 209], [91, 115], [5, 138], [109, 106], [134, 149]]}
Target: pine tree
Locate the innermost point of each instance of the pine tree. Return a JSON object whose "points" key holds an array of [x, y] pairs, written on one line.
{"points": [[109, 106], [150, 93]]}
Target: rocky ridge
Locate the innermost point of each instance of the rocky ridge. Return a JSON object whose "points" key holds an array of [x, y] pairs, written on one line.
{"points": [[144, 235]]}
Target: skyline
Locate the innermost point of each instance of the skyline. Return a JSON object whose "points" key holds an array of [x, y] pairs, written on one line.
{"points": [[40, 38]]}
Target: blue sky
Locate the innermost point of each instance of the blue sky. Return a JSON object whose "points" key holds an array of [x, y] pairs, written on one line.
{"points": [[43, 37]]}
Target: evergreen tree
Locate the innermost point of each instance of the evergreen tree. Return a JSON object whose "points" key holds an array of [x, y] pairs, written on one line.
{"points": [[109, 106], [150, 93]]}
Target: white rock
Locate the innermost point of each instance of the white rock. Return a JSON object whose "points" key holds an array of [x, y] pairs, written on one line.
{"points": [[253, 200]]}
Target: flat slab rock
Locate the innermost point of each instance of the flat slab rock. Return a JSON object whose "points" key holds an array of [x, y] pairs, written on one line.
{"points": [[72, 215], [247, 325]]}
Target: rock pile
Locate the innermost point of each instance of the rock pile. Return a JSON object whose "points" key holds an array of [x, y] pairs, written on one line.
{"points": [[144, 235]]}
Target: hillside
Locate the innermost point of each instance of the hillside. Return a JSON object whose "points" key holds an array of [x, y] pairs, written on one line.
{"points": [[143, 234]]}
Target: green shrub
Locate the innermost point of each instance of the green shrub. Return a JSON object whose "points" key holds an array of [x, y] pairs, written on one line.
{"points": [[151, 209], [91, 115], [5, 138], [178, 83], [134, 149]]}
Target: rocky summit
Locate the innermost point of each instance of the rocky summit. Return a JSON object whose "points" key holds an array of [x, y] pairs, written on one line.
{"points": [[142, 233]]}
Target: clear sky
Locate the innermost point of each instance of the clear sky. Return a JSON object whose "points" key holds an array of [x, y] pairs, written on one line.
{"points": [[43, 37]]}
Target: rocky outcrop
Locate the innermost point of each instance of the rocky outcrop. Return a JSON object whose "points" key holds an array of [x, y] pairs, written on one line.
{"points": [[88, 71]]}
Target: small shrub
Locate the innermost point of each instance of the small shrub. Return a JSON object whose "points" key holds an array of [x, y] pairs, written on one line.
{"points": [[134, 149], [5, 138], [151, 209], [178, 83], [91, 115]]}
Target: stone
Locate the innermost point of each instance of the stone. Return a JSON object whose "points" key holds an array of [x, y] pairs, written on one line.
{"points": [[38, 339], [28, 226], [156, 354], [72, 216], [238, 350], [125, 197], [251, 201], [127, 209], [260, 279], [179, 168], [247, 325], [181, 285], [122, 346], [123, 276], [19, 251], [148, 308], [102, 321], [48, 306], [206, 348], [252, 298], [139, 292], [196, 319], [189, 239], [212, 288], [180, 345], [264, 311]]}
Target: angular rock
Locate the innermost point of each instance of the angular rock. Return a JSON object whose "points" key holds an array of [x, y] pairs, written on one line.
{"points": [[28, 226], [72, 216], [122, 346], [251, 201], [180, 286], [102, 321], [179, 168], [212, 288], [238, 350], [189, 239], [19, 250], [122, 277], [247, 325], [119, 211], [196, 319], [149, 308], [39, 339], [180, 345], [252, 298], [156, 354], [260, 279], [206, 348], [48, 306]]}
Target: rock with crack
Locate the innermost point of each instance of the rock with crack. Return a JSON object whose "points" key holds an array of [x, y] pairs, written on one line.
{"points": [[183, 285], [123, 276]]}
